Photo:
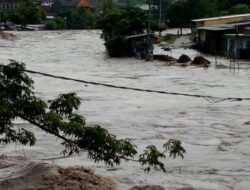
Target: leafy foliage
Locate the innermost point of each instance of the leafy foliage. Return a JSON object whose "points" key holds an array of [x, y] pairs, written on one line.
{"points": [[80, 19], [179, 13], [27, 13], [107, 6], [151, 158], [57, 117], [57, 23], [238, 9], [118, 24], [3, 17]]}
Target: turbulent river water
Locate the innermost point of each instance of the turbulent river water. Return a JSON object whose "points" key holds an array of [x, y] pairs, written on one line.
{"points": [[213, 134]]}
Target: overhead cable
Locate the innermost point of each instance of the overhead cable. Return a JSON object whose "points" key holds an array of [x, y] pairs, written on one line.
{"points": [[211, 99]]}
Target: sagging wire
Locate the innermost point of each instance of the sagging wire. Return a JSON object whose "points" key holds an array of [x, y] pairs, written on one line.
{"points": [[210, 99]]}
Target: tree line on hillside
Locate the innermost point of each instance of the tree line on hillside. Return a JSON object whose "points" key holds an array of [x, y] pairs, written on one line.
{"points": [[125, 17], [179, 13], [173, 13]]}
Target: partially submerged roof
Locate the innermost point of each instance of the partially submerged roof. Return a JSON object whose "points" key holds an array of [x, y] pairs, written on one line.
{"points": [[85, 4], [221, 17], [144, 35], [222, 27]]}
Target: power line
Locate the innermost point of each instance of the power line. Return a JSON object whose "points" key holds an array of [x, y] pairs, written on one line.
{"points": [[211, 99]]}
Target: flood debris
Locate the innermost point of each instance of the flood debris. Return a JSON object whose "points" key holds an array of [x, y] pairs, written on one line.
{"points": [[184, 59], [200, 61], [166, 48], [148, 187], [247, 123], [221, 66], [166, 58]]}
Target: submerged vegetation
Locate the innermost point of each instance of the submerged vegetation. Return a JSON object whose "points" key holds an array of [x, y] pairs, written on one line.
{"points": [[119, 23], [58, 117]]}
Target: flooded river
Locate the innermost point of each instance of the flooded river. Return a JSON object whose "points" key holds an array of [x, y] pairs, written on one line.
{"points": [[214, 134]]}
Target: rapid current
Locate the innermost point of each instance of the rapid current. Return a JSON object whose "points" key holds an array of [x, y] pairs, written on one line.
{"points": [[214, 134]]}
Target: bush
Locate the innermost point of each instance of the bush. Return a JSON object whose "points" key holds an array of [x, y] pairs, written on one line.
{"points": [[55, 24], [116, 46], [51, 25]]}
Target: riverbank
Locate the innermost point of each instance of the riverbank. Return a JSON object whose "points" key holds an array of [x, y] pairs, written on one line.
{"points": [[44, 176]]}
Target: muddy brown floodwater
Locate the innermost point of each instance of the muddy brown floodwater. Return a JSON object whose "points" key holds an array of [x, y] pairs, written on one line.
{"points": [[214, 135]]}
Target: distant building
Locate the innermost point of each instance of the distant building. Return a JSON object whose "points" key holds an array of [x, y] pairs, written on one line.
{"points": [[224, 35], [139, 46], [84, 4], [8, 5], [69, 4], [11, 5], [47, 5]]}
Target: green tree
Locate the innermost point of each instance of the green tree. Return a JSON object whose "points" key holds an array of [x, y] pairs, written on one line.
{"points": [[225, 4], [27, 13], [180, 13], [118, 24], [107, 6], [239, 9], [3, 17], [57, 117], [55, 24], [78, 18]]}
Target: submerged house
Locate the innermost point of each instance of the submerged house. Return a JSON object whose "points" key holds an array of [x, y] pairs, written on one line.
{"points": [[238, 46], [224, 35], [141, 44]]}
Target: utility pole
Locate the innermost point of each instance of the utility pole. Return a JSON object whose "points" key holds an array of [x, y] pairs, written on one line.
{"points": [[149, 55], [160, 11]]}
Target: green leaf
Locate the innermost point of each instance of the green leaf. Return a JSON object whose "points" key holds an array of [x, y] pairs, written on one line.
{"points": [[175, 148]]}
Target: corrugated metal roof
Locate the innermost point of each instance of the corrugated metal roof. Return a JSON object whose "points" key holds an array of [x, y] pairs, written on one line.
{"points": [[216, 28], [221, 17], [237, 35]]}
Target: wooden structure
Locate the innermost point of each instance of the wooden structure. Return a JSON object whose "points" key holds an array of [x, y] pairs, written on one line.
{"points": [[139, 45], [237, 46]]}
